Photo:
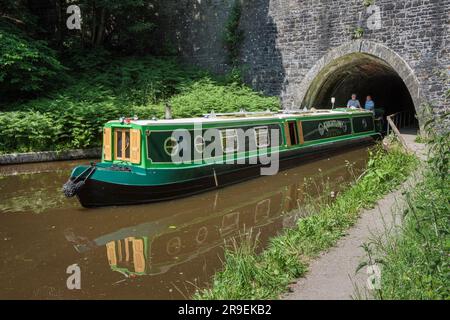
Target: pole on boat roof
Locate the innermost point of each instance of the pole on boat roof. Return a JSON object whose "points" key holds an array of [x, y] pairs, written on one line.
{"points": [[333, 101]]}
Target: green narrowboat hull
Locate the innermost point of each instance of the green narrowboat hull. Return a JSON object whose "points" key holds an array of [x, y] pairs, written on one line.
{"points": [[117, 183]]}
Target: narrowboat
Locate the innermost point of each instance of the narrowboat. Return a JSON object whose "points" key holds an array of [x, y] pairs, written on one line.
{"points": [[146, 161]]}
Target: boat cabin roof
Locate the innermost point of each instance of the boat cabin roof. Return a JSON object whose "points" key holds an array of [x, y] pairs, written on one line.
{"points": [[247, 116]]}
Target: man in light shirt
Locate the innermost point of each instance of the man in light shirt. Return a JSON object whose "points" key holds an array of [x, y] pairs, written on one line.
{"points": [[370, 105], [353, 103]]}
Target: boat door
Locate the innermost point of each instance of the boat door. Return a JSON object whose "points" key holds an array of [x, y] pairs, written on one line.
{"points": [[292, 133]]}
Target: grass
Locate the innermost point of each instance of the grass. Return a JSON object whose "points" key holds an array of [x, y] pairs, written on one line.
{"points": [[420, 139], [414, 259], [249, 275]]}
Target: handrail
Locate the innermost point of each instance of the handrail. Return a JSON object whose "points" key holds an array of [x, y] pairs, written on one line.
{"points": [[395, 122], [402, 119]]}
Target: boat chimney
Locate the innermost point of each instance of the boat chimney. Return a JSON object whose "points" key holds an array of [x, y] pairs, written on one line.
{"points": [[168, 112]]}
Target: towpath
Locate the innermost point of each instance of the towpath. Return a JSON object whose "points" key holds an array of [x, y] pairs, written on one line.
{"points": [[332, 276]]}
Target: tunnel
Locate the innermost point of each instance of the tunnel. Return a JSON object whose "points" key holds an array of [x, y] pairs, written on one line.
{"points": [[364, 75]]}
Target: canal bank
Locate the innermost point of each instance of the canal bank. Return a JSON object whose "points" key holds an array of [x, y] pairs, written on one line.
{"points": [[334, 274], [248, 275], [49, 156], [343, 272]]}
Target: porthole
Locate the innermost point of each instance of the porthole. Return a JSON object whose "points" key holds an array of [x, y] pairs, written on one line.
{"points": [[171, 146]]}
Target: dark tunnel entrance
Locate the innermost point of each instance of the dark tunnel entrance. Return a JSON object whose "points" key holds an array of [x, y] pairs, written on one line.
{"points": [[364, 75]]}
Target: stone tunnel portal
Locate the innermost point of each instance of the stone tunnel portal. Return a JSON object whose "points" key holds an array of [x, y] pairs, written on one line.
{"points": [[363, 74]]}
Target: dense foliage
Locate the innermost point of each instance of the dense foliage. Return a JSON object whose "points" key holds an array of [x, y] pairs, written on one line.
{"points": [[37, 46], [73, 117], [26, 65], [59, 85]]}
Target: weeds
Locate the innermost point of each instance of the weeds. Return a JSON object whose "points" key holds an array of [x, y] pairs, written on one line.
{"points": [[415, 257], [233, 36]]}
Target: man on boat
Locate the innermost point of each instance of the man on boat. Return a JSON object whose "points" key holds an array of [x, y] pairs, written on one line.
{"points": [[353, 103], [370, 105]]}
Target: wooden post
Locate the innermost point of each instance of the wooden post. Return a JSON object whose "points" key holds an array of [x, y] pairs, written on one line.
{"points": [[397, 132]]}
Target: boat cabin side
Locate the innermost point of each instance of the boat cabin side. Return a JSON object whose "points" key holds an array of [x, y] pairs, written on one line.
{"points": [[155, 145], [146, 144]]}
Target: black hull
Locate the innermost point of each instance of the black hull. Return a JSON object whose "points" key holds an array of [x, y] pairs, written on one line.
{"points": [[98, 194]]}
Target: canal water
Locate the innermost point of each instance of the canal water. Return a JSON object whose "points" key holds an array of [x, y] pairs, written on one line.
{"points": [[157, 251]]}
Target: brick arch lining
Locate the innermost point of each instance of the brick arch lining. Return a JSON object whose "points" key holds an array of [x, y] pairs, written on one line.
{"points": [[357, 56]]}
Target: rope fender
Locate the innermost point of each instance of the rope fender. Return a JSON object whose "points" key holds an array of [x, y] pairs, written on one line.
{"points": [[72, 186]]}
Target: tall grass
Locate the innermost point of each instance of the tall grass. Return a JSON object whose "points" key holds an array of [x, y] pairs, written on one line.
{"points": [[415, 258], [249, 275]]}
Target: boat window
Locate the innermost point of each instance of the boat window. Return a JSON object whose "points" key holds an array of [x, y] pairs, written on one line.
{"points": [[122, 144], [229, 140], [171, 146], [199, 144], [127, 144], [293, 133], [119, 144], [262, 137], [262, 210]]}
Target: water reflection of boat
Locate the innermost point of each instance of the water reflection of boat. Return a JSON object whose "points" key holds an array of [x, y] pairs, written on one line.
{"points": [[156, 246]]}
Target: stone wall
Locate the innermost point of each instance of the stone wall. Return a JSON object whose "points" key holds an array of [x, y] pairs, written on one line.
{"points": [[194, 28], [48, 156], [285, 39]]}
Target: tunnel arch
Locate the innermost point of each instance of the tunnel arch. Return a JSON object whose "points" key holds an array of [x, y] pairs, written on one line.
{"points": [[362, 67]]}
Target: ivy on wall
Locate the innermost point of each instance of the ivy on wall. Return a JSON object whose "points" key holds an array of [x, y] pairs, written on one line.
{"points": [[358, 32], [233, 35], [368, 3]]}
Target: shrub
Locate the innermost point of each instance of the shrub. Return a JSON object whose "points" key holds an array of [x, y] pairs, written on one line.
{"points": [[26, 65], [73, 117], [27, 131], [206, 95]]}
